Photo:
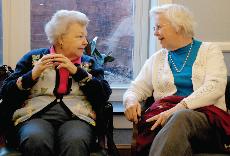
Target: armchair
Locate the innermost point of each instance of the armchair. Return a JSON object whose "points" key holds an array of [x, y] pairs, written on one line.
{"points": [[150, 100]]}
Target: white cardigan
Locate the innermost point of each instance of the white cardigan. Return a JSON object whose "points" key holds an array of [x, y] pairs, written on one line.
{"points": [[209, 78]]}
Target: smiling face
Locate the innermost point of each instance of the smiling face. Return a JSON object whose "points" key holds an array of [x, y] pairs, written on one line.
{"points": [[74, 41], [165, 32]]}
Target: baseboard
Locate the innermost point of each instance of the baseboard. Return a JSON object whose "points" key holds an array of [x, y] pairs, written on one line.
{"points": [[123, 146], [124, 149]]}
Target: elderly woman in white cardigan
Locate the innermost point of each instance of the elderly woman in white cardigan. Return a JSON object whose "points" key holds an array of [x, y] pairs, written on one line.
{"points": [[184, 67]]}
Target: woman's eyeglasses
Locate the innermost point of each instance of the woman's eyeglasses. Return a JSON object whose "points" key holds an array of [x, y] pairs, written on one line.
{"points": [[159, 27]]}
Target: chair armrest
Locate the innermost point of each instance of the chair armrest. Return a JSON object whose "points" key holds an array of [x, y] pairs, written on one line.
{"points": [[108, 112], [105, 129]]}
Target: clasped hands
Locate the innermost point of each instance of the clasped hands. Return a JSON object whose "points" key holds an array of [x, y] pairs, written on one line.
{"points": [[133, 113], [53, 60]]}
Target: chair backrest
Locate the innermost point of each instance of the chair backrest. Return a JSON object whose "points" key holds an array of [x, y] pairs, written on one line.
{"points": [[5, 71]]}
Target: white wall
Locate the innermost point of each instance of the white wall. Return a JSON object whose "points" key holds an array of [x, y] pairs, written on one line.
{"points": [[212, 16]]}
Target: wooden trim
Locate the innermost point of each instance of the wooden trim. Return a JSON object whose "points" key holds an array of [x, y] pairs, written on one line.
{"points": [[123, 146]]}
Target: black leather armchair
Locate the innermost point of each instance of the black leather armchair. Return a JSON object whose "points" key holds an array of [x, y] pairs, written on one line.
{"points": [[150, 100]]}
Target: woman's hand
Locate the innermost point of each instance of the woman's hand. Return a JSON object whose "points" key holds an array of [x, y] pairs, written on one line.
{"points": [[63, 62], [45, 62], [132, 110], [161, 118]]}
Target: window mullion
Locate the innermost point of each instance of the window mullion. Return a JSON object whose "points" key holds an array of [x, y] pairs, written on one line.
{"points": [[141, 31]]}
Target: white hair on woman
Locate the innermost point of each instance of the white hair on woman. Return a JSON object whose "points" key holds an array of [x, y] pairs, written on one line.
{"points": [[179, 16], [60, 21]]}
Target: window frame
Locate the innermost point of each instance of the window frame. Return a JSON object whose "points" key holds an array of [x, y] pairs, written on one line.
{"points": [[16, 34]]}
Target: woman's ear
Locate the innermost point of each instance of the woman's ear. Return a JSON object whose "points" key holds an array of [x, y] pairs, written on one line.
{"points": [[180, 30], [60, 40], [177, 29]]}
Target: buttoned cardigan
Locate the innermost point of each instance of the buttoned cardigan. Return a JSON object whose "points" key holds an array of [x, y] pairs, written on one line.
{"points": [[209, 78]]}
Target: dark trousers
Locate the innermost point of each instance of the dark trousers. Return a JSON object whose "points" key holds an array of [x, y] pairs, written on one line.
{"points": [[55, 132], [39, 137]]}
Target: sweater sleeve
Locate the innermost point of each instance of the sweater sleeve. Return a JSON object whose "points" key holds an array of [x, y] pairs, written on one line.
{"points": [[10, 91], [215, 79], [141, 88]]}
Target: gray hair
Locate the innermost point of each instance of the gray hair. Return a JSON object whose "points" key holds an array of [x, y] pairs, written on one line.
{"points": [[60, 21], [179, 16]]}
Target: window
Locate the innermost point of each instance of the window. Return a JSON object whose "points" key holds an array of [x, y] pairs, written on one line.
{"points": [[22, 30]]}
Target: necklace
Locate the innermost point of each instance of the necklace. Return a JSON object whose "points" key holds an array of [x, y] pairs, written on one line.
{"points": [[185, 61]]}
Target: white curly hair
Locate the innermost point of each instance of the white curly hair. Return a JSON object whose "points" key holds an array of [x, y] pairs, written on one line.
{"points": [[179, 16], [60, 21]]}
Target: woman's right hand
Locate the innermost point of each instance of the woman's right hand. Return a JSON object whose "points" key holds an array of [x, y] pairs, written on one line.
{"points": [[45, 62], [132, 110]]}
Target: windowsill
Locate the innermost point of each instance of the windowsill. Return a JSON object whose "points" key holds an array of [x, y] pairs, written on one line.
{"points": [[117, 94], [118, 107]]}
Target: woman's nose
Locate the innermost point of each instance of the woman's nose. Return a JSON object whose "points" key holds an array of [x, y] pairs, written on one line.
{"points": [[155, 33], [85, 41]]}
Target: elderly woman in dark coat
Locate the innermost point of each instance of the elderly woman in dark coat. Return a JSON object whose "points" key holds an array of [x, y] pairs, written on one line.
{"points": [[56, 91]]}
